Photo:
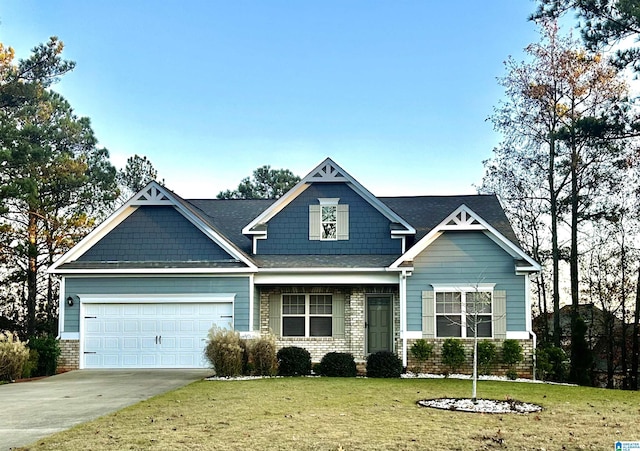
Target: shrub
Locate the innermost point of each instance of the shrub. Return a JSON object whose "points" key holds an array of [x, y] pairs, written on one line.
{"points": [[453, 354], [263, 356], [422, 351], [31, 365], [48, 352], [511, 352], [486, 356], [512, 374], [225, 351], [384, 364], [293, 361], [13, 355], [337, 364], [551, 363]]}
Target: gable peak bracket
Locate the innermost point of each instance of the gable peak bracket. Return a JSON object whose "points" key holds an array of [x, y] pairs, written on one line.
{"points": [[151, 195]]}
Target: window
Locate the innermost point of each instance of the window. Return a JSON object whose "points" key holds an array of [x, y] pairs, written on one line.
{"points": [[307, 315], [459, 313], [328, 220], [329, 224]]}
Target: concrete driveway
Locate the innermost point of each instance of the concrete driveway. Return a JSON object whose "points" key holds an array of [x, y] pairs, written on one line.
{"points": [[32, 410]]}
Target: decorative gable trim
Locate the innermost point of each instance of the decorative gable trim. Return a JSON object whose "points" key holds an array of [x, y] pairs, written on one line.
{"points": [[465, 219], [152, 194], [327, 172]]}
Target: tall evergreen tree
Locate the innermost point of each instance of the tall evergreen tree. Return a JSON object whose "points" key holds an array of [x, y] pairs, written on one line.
{"points": [[54, 180]]}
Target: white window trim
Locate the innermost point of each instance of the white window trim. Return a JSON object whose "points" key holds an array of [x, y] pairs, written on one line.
{"points": [[307, 315], [463, 290]]}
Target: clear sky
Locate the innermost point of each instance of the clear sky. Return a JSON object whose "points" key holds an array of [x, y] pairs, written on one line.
{"points": [[396, 92]]}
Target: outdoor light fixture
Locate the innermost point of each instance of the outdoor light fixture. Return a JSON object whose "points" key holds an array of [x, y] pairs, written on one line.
{"points": [[70, 301]]}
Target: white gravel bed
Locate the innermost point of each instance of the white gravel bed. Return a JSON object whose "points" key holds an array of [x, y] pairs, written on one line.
{"points": [[480, 405]]}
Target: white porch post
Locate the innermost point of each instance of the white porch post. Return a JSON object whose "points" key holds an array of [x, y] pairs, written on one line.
{"points": [[403, 315]]}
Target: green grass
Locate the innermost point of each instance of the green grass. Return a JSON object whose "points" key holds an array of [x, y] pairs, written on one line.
{"points": [[352, 414]]}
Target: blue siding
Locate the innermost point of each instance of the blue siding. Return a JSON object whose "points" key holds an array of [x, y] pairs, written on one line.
{"points": [[466, 258], [155, 233], [158, 285], [369, 230]]}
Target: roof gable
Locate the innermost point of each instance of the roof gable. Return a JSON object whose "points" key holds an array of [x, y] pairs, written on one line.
{"points": [[465, 219], [327, 172], [155, 233], [152, 195]]}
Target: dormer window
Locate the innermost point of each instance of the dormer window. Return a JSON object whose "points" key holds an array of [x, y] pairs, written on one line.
{"points": [[329, 220]]}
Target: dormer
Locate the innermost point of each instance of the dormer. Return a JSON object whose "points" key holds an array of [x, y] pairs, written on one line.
{"points": [[325, 213]]}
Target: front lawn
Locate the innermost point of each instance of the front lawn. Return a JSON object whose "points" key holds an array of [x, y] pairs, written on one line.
{"points": [[350, 414]]}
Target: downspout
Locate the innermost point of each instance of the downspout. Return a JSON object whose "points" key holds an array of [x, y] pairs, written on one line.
{"points": [[403, 315]]}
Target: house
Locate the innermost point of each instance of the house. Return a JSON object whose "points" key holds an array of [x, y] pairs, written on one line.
{"points": [[328, 267]]}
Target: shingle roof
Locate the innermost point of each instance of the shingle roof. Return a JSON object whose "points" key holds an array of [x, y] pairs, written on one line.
{"points": [[424, 213]]}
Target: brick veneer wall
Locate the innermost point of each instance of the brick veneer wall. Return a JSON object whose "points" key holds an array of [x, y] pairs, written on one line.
{"points": [[354, 316], [434, 364], [69, 356]]}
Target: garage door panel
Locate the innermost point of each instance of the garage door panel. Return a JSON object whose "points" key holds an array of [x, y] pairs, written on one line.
{"points": [[171, 310], [149, 309], [167, 326], [111, 343], [150, 335], [130, 326], [93, 327], [111, 327]]}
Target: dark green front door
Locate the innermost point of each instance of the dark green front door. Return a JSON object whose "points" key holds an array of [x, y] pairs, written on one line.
{"points": [[379, 324]]}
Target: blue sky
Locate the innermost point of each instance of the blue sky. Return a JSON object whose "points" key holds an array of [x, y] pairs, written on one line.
{"points": [[396, 92]]}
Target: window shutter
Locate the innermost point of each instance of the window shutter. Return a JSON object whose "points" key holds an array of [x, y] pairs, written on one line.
{"points": [[337, 316], [275, 313], [500, 314], [428, 314], [343, 222], [314, 222]]}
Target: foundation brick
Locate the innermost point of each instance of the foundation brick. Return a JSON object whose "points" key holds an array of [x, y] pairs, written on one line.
{"points": [[69, 356]]}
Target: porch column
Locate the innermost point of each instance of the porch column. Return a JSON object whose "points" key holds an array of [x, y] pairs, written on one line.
{"points": [[403, 315]]}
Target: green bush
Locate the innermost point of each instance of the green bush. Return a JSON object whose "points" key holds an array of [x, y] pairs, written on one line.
{"points": [[31, 365], [13, 355], [511, 352], [551, 363], [453, 354], [384, 364], [263, 356], [225, 351], [512, 374], [487, 351], [293, 361], [422, 351], [48, 351], [337, 364]]}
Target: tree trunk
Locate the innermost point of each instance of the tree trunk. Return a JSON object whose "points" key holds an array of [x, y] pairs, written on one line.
{"points": [[635, 355], [573, 262], [555, 250], [623, 304], [32, 274]]}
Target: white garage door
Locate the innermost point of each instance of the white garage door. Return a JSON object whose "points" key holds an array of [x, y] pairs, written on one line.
{"points": [[146, 335]]}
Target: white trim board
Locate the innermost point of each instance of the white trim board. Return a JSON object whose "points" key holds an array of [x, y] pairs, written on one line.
{"points": [[156, 298]]}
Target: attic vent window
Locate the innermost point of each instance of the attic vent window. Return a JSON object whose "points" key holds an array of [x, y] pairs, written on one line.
{"points": [[328, 220]]}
